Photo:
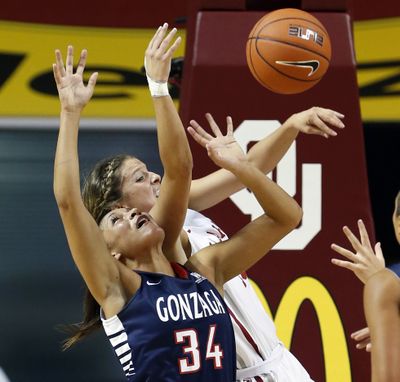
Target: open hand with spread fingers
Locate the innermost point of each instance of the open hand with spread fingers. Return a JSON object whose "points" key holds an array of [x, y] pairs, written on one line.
{"points": [[317, 120], [73, 93], [159, 52], [365, 261], [224, 151]]}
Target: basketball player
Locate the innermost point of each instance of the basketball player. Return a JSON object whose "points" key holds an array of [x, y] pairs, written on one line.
{"points": [[381, 302], [130, 184], [166, 322], [362, 336]]}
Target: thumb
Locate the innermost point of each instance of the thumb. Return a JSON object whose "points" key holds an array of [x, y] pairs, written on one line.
{"points": [[379, 253]]}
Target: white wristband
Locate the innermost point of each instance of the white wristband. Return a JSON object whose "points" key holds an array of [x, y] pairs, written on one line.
{"points": [[157, 89]]}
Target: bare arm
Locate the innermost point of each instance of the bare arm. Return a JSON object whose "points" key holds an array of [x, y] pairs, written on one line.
{"points": [[396, 217], [210, 190], [382, 312], [175, 154], [381, 303], [225, 260], [85, 239]]}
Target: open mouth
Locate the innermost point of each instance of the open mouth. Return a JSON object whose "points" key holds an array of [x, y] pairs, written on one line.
{"points": [[141, 221]]}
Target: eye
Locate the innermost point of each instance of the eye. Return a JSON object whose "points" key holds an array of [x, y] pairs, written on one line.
{"points": [[114, 219], [140, 177]]}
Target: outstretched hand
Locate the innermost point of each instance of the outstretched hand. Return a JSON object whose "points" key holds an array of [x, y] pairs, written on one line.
{"points": [[317, 120], [224, 151], [365, 261], [74, 95], [157, 60]]}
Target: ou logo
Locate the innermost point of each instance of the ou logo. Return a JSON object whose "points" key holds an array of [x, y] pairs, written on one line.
{"points": [[249, 131]]}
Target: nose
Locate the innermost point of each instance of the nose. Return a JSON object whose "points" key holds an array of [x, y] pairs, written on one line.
{"points": [[155, 178], [132, 213]]}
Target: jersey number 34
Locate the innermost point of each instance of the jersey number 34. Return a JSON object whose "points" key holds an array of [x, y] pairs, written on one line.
{"points": [[189, 339]]}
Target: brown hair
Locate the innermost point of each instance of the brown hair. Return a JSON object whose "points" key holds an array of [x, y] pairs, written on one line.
{"points": [[101, 191]]}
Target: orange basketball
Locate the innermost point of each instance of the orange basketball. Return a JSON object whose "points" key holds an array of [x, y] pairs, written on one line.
{"points": [[288, 51]]}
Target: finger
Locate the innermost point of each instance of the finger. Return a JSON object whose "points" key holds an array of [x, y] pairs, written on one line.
{"points": [[345, 264], [57, 76], [369, 348], [344, 252], [363, 234], [313, 130], [197, 137], [352, 238], [379, 253], [337, 114], [229, 125], [160, 36], [154, 37], [363, 344], [214, 127], [60, 63], [199, 130], [82, 62], [70, 60], [167, 40], [317, 122], [170, 52], [92, 82], [331, 117], [361, 334]]}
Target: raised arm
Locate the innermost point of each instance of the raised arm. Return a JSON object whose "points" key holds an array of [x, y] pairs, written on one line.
{"points": [[225, 260], [175, 154], [85, 239], [210, 190], [382, 312], [381, 303]]}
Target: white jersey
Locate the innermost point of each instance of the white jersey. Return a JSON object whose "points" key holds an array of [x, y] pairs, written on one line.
{"points": [[260, 354]]}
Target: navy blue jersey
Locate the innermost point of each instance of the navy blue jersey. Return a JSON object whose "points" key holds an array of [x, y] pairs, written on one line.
{"points": [[174, 329]]}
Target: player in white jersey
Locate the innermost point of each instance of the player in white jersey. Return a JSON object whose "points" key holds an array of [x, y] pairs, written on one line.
{"points": [[260, 356], [130, 184]]}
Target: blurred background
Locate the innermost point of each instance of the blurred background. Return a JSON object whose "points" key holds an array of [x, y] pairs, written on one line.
{"points": [[39, 285]]}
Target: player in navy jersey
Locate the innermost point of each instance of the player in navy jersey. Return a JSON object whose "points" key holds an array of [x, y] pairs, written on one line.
{"points": [[260, 354], [165, 323]]}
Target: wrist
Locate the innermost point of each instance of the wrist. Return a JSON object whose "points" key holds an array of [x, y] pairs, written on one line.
{"points": [[157, 88], [71, 110], [290, 125]]}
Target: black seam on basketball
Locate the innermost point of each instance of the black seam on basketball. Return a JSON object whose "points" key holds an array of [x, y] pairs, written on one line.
{"points": [[254, 72], [284, 74], [297, 18], [290, 44]]}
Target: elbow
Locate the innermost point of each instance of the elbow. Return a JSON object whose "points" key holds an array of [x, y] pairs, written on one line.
{"points": [[63, 197], [294, 218], [62, 201], [298, 216]]}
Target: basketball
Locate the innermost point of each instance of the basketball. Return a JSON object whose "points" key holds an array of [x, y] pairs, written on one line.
{"points": [[288, 51]]}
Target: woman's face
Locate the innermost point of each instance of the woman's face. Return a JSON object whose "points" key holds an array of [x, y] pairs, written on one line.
{"points": [[139, 188], [130, 232]]}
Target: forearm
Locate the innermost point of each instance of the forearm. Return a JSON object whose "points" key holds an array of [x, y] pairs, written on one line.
{"points": [[66, 165], [267, 153], [276, 203], [175, 153]]}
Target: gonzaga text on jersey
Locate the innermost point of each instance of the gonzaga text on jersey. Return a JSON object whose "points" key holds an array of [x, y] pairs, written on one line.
{"points": [[188, 306]]}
